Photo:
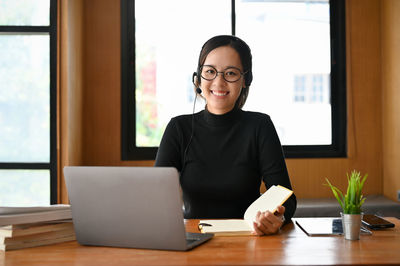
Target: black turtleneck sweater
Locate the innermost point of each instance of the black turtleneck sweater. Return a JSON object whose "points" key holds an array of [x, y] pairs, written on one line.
{"points": [[227, 158]]}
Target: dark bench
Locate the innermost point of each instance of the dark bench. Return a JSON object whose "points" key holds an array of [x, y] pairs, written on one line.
{"points": [[329, 207]]}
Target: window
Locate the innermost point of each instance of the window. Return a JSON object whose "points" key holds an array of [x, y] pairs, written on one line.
{"points": [[28, 164], [299, 89], [298, 67]]}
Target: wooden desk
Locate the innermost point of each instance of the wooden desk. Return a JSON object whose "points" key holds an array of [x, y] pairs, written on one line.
{"points": [[289, 247]]}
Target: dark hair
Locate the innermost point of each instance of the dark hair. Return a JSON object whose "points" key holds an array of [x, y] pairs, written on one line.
{"points": [[245, 57]]}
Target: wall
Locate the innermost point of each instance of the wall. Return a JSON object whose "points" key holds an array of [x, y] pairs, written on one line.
{"points": [[102, 116], [391, 95], [100, 143], [70, 88]]}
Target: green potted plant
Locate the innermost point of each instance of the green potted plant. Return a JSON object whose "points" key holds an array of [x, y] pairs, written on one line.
{"points": [[351, 204]]}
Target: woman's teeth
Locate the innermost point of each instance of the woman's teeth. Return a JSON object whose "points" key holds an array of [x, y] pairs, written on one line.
{"points": [[219, 93]]}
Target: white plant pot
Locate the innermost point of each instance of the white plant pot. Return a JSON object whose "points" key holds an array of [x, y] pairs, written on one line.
{"points": [[351, 225]]}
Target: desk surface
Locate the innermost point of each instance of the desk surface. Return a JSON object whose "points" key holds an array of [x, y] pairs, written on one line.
{"points": [[290, 246]]}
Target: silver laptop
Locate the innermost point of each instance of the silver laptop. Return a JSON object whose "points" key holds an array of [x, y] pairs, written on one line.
{"points": [[133, 207]]}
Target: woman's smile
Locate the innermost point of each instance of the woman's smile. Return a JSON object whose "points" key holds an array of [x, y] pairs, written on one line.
{"points": [[220, 93]]}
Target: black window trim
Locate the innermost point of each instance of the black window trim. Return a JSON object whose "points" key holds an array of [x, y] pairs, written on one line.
{"points": [[52, 165], [338, 148]]}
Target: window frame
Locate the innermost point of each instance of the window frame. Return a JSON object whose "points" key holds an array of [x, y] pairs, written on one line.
{"points": [[338, 148], [52, 164]]}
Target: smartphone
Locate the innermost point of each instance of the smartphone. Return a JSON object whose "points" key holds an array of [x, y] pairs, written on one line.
{"points": [[375, 222]]}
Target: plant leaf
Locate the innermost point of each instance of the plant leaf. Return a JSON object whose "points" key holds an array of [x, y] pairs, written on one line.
{"points": [[337, 193], [352, 201]]}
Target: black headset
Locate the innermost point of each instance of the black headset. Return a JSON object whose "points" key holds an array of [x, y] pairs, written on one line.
{"points": [[197, 77], [198, 91]]}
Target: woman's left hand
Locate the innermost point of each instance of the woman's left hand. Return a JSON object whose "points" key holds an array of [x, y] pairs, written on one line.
{"points": [[268, 223]]}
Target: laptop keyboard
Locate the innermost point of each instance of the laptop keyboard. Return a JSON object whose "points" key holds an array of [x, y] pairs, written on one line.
{"points": [[190, 241], [192, 237]]}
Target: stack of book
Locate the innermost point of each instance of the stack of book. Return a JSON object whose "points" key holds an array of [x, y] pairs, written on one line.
{"points": [[23, 227]]}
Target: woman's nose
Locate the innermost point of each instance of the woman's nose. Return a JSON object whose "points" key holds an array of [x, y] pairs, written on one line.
{"points": [[220, 77]]}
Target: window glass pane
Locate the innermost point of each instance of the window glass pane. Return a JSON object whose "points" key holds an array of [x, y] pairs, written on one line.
{"points": [[24, 12], [24, 187], [167, 49], [290, 42], [24, 98]]}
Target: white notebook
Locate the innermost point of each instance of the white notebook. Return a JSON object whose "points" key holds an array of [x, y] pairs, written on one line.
{"points": [[269, 201]]}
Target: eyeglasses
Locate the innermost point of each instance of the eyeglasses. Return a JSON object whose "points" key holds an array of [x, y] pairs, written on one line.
{"points": [[231, 74]]}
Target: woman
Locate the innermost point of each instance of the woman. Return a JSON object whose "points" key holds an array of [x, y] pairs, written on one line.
{"points": [[224, 153]]}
